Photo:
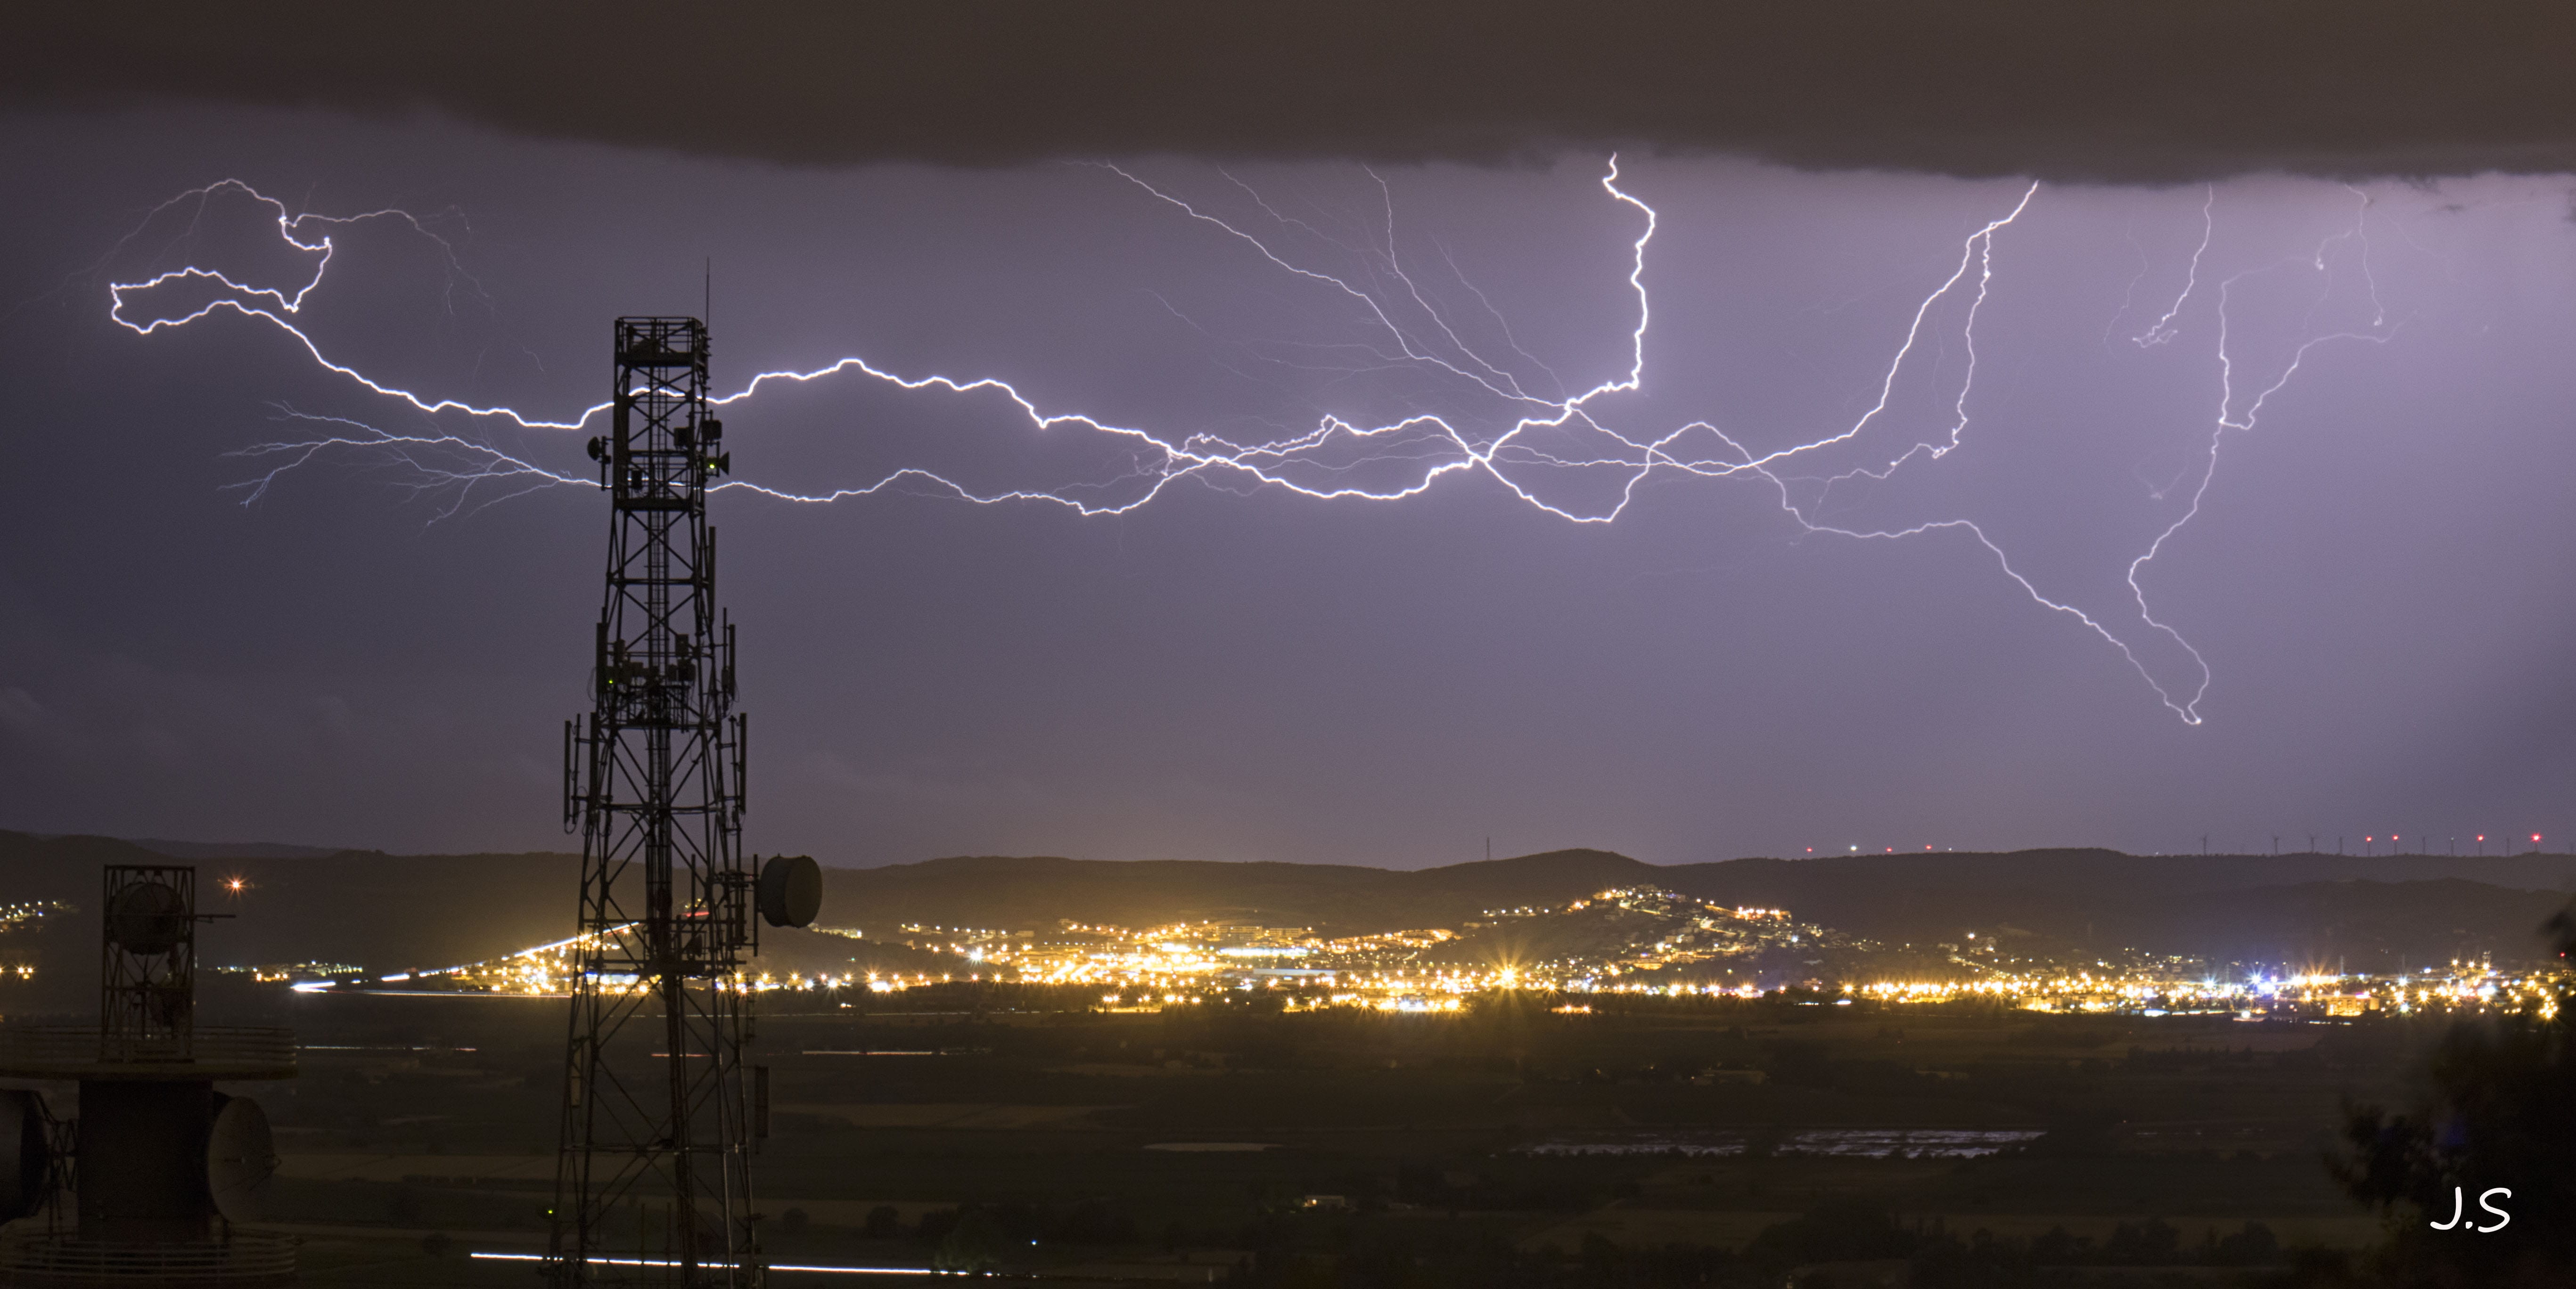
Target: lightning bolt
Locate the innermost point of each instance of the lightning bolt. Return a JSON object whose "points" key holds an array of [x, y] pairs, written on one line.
{"points": [[1408, 330]]}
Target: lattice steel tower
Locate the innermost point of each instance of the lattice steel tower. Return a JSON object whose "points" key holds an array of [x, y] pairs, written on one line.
{"points": [[653, 1183]]}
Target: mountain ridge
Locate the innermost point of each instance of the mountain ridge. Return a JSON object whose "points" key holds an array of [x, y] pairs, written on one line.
{"points": [[398, 911]]}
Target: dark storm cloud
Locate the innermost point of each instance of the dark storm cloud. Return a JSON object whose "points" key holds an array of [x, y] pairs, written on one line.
{"points": [[2134, 92]]}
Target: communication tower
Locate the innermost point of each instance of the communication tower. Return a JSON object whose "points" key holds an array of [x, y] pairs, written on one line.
{"points": [[653, 1181]]}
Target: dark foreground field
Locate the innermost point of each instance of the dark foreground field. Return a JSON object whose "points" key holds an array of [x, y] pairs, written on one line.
{"points": [[1506, 1145]]}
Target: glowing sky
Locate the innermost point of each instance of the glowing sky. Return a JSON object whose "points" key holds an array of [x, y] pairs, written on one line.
{"points": [[2375, 578]]}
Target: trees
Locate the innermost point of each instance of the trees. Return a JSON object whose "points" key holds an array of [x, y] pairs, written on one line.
{"points": [[975, 1245], [2498, 1111]]}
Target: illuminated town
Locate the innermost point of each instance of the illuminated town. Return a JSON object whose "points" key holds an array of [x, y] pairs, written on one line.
{"points": [[1637, 942], [21, 919]]}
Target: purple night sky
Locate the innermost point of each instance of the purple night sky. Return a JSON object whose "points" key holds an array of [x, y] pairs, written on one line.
{"points": [[2377, 575]]}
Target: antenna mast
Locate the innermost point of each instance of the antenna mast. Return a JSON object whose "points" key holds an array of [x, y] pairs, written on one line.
{"points": [[657, 1127]]}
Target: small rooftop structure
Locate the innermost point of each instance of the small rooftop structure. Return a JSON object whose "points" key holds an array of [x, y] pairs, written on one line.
{"points": [[161, 1169]]}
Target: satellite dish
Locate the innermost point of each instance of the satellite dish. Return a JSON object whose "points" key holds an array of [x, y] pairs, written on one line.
{"points": [[148, 918], [24, 1154], [241, 1157], [791, 890]]}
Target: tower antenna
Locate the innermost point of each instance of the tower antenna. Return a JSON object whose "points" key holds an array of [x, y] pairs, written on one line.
{"points": [[659, 1108]]}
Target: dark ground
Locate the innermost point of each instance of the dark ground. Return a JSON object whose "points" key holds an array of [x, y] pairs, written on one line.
{"points": [[416, 1115]]}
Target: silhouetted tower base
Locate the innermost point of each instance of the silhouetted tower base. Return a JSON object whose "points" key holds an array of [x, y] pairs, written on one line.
{"points": [[159, 1168]]}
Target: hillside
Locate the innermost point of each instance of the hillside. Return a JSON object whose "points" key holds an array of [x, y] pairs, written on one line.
{"points": [[2362, 925], [2382, 910], [362, 907], [1015, 893], [390, 912], [2232, 907]]}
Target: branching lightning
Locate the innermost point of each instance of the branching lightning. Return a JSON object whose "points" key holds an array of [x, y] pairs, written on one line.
{"points": [[1321, 462]]}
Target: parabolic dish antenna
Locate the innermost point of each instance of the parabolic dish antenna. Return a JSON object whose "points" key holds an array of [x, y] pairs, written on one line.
{"points": [[241, 1158], [148, 918], [24, 1153], [791, 890]]}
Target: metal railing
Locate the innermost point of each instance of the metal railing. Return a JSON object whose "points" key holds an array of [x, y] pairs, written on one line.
{"points": [[72, 1047], [246, 1257]]}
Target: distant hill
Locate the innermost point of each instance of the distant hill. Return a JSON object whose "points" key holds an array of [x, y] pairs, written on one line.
{"points": [[2363, 925], [233, 849], [1007, 893], [2392, 909], [391, 912], [361, 907], [2233, 906], [365, 908]]}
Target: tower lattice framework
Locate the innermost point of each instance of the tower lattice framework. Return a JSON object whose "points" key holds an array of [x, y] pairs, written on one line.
{"points": [[653, 1182]]}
